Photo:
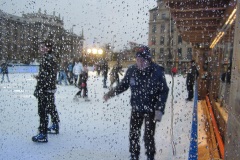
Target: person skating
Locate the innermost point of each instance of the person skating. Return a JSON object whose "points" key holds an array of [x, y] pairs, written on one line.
{"points": [[77, 70], [192, 74], [44, 92], [114, 74], [105, 72], [174, 71], [63, 72], [98, 68], [82, 85], [70, 72], [4, 67], [149, 92]]}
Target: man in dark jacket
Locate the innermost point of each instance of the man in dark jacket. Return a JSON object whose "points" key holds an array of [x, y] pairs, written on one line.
{"points": [[4, 67], [114, 75], [149, 92], [45, 89], [105, 72], [192, 74]]}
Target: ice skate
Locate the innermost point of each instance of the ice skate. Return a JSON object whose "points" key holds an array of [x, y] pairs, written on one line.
{"points": [[150, 157], [40, 138], [86, 99], [188, 99], [134, 157], [54, 129], [76, 98], [105, 86]]}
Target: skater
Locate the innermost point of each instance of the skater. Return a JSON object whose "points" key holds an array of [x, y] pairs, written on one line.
{"points": [[192, 74], [98, 68], [4, 67], [82, 85], [44, 92], [149, 92], [114, 74], [105, 72], [77, 70], [174, 71], [63, 72], [70, 72], [226, 76]]}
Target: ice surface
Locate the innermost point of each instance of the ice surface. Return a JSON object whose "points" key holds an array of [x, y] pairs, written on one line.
{"points": [[88, 130]]}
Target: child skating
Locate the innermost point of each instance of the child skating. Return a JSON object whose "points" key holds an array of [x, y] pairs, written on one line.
{"points": [[82, 85]]}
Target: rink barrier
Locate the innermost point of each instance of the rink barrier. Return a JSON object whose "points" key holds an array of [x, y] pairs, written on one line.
{"points": [[216, 130], [23, 68], [193, 149]]}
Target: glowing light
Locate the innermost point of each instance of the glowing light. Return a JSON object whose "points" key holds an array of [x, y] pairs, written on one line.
{"points": [[100, 51]]}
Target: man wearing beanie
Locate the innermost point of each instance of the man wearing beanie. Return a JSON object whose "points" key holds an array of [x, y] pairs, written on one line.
{"points": [[149, 92], [44, 92]]}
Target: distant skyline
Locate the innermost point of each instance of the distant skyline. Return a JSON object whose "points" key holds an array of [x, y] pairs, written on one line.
{"points": [[103, 21]]}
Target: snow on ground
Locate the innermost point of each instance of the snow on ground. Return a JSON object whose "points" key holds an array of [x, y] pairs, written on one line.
{"points": [[88, 130]]}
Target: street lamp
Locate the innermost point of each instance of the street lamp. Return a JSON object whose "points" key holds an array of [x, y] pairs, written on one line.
{"points": [[95, 53], [100, 51], [89, 51]]}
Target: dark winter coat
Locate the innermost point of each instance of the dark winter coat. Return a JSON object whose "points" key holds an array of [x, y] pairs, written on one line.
{"points": [[4, 67], [46, 80], [226, 77], [114, 74], [192, 75], [149, 90], [83, 78], [105, 68]]}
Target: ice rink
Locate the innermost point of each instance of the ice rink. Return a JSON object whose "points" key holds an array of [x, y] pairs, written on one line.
{"points": [[88, 130]]}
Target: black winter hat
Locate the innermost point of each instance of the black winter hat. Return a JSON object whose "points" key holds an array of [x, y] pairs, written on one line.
{"points": [[144, 52]]}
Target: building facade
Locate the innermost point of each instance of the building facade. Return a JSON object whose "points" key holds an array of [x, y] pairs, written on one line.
{"points": [[166, 43], [21, 37]]}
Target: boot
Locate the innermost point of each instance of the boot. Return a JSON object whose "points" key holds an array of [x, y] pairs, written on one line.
{"points": [[86, 99], [54, 129], [104, 86], [150, 157], [40, 138], [134, 156], [76, 98]]}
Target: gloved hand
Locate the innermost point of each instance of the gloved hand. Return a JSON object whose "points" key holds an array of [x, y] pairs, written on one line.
{"points": [[37, 92], [106, 97], [35, 76], [109, 95], [158, 116]]}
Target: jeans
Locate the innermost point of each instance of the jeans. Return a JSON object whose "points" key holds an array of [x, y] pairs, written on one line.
{"points": [[70, 77], [6, 76], [62, 75]]}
